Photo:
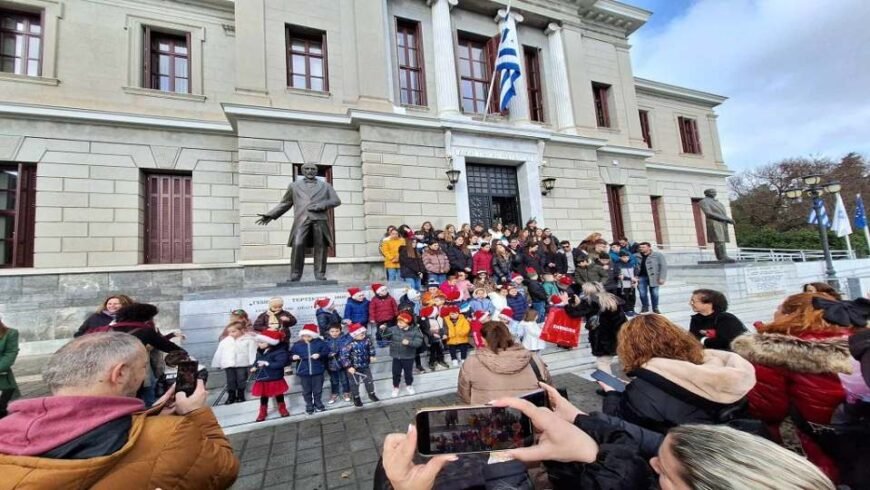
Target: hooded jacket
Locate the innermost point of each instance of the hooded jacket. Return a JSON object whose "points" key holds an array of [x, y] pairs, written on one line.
{"points": [[109, 443], [458, 331], [357, 311], [482, 261], [307, 365], [486, 375], [666, 393], [383, 309]]}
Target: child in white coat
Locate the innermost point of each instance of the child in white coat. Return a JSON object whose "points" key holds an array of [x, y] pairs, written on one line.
{"points": [[235, 354], [532, 332]]}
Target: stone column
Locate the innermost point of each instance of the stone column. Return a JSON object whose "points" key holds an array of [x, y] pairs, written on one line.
{"points": [[519, 104], [560, 85], [714, 138], [447, 93], [251, 48]]}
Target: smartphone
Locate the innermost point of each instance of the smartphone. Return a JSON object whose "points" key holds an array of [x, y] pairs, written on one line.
{"points": [[185, 380], [468, 430], [608, 379], [539, 398]]}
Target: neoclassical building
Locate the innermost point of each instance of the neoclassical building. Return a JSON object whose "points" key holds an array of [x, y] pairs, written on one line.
{"points": [[140, 139]]}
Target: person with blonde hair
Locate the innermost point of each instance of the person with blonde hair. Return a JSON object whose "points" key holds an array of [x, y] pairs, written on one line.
{"points": [[276, 318], [674, 380], [604, 317]]}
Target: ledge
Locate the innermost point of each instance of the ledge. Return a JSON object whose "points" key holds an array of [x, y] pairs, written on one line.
{"points": [[163, 94], [689, 170], [308, 92], [11, 77]]}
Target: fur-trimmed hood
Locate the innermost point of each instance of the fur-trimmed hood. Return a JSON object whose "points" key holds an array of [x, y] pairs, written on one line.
{"points": [[724, 377], [796, 354]]}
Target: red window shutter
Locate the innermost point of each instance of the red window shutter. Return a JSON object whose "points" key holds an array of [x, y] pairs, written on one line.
{"points": [[614, 204], [25, 219], [655, 203], [644, 128], [491, 57], [696, 136], [168, 219]]}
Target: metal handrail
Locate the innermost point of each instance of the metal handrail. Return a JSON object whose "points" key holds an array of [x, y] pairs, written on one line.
{"points": [[757, 254]]}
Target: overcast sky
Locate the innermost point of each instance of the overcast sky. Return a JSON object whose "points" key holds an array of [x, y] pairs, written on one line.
{"points": [[797, 72]]}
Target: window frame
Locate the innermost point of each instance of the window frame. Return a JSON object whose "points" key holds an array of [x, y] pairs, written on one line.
{"points": [[23, 216], [645, 129], [150, 255], [488, 61], [407, 71], [689, 136], [147, 75], [615, 209], [600, 96], [532, 58], [4, 12], [307, 35]]}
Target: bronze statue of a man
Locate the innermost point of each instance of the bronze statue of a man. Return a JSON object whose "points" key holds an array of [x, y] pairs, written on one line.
{"points": [[312, 199], [717, 224]]}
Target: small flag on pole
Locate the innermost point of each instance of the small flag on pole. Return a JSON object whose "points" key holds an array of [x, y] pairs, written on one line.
{"points": [[508, 63], [824, 214], [841, 223], [860, 214]]}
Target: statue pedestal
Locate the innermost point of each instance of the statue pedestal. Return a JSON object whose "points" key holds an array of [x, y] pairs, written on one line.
{"points": [[307, 284]]}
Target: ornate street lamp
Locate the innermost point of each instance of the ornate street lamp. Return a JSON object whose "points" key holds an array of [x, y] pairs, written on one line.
{"points": [[815, 190], [548, 184], [453, 178]]}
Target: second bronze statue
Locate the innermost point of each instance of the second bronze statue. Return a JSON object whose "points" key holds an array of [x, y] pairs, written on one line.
{"points": [[311, 199]]}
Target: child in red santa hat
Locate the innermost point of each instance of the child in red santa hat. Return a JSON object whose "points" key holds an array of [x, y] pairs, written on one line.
{"points": [[269, 381]]}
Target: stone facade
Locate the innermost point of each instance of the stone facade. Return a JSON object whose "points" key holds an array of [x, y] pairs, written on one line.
{"points": [[93, 132]]}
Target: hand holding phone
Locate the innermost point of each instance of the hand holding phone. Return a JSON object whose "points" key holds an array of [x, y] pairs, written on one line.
{"points": [[609, 380], [185, 381]]}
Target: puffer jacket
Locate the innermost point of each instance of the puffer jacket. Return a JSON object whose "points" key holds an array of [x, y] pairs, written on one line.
{"points": [[307, 364], [501, 269], [410, 267], [665, 393], [396, 336], [235, 352], [436, 262], [357, 311], [458, 331], [383, 309], [482, 261], [70, 442], [458, 259], [390, 251], [357, 353], [325, 319], [278, 357], [486, 375], [519, 304], [335, 346]]}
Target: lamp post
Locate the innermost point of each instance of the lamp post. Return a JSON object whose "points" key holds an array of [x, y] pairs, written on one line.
{"points": [[815, 190]]}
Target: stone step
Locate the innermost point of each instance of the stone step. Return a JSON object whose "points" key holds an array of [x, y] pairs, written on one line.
{"points": [[239, 417]]}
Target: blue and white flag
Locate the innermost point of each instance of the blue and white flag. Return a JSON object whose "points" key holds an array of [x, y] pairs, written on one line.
{"points": [[508, 63], [841, 224], [860, 214], [824, 214]]}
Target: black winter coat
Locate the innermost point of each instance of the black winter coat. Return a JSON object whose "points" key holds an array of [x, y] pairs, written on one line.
{"points": [[459, 261], [561, 261], [535, 262], [95, 320], [655, 403], [727, 326], [501, 269], [409, 266], [147, 334], [536, 291], [602, 338]]}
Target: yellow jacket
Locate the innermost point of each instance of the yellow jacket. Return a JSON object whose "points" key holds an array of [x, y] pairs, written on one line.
{"points": [[457, 333], [390, 251]]}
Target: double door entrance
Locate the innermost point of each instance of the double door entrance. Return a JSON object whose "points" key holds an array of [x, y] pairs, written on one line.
{"points": [[493, 195]]}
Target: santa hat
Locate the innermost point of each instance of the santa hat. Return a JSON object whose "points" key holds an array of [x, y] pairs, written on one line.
{"points": [[379, 288], [515, 276], [271, 337], [353, 292], [447, 310], [566, 281], [482, 271], [356, 329], [410, 235], [405, 318], [310, 329], [531, 271], [480, 315], [413, 294], [452, 296], [428, 312], [555, 299], [508, 312], [323, 303]]}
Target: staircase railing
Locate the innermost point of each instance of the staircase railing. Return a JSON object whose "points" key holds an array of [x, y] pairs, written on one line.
{"points": [[787, 255]]}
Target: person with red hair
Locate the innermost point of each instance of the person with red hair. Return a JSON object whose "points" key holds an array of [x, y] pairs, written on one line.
{"points": [[798, 358]]}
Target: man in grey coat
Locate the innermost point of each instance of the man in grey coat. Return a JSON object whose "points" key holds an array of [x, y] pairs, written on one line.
{"points": [[651, 269], [312, 199]]}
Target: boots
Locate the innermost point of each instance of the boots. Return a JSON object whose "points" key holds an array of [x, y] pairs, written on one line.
{"points": [[240, 395], [262, 415], [374, 397], [357, 401], [282, 409], [231, 397]]}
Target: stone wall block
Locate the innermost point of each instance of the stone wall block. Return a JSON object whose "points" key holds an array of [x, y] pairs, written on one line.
{"points": [[49, 214], [259, 168], [330, 153], [129, 201], [61, 170], [106, 259], [392, 196], [61, 230], [165, 156], [113, 230], [89, 159], [261, 144], [277, 156], [371, 146], [114, 173], [140, 154], [58, 260], [60, 199], [380, 169]]}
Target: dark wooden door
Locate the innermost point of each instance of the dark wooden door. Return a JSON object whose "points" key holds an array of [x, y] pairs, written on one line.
{"points": [[324, 171], [656, 202], [493, 195], [168, 219], [17, 214], [700, 230], [614, 206]]}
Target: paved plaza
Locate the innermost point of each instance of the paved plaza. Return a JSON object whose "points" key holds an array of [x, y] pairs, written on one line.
{"points": [[341, 451]]}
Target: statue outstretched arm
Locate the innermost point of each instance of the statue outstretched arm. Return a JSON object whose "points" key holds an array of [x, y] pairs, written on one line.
{"points": [[279, 210]]}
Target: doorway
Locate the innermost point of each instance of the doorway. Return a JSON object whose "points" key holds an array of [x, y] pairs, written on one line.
{"points": [[493, 195]]}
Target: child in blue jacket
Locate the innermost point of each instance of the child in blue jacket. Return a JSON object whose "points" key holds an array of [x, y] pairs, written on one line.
{"points": [[311, 353], [356, 357], [269, 380], [356, 310], [338, 383]]}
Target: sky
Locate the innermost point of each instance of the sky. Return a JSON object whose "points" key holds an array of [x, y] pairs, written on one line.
{"points": [[797, 72]]}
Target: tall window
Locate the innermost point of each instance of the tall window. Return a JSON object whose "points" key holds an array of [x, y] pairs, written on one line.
{"points": [[168, 219], [475, 70], [656, 205], [20, 43], [600, 92], [689, 135], [700, 229], [167, 61], [536, 91], [306, 59], [412, 88], [17, 214], [644, 128], [614, 205]]}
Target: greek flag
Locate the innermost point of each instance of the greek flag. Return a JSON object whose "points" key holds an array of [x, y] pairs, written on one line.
{"points": [[508, 63], [824, 214], [841, 223], [860, 214]]}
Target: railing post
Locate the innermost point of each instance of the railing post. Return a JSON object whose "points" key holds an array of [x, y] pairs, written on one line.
{"points": [[803, 256]]}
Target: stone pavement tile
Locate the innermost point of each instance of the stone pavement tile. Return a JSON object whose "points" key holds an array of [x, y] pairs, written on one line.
{"points": [[306, 470], [338, 462], [251, 467], [281, 486], [334, 438], [337, 448], [309, 455], [364, 457], [312, 483], [288, 447], [309, 442], [253, 453], [249, 482], [362, 444], [280, 475], [338, 479]]}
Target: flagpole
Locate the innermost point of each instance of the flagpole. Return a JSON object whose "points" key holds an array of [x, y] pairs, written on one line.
{"points": [[494, 70], [866, 229], [849, 247]]}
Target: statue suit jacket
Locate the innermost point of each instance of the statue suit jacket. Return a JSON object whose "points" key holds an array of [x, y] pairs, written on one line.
{"points": [[312, 204], [717, 230]]}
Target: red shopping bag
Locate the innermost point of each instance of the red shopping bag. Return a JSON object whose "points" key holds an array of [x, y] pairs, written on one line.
{"points": [[561, 329]]}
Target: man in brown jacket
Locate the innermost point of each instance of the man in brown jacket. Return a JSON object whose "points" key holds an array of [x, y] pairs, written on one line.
{"points": [[93, 433]]}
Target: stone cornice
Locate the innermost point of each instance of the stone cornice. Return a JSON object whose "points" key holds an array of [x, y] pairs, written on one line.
{"points": [[690, 170], [676, 92], [613, 14]]}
